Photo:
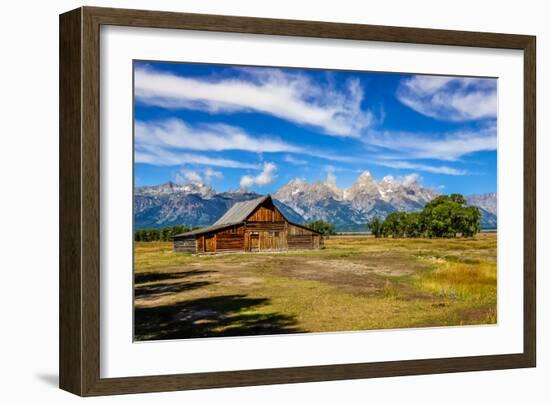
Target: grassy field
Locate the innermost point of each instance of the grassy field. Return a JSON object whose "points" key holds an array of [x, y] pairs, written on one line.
{"points": [[355, 283]]}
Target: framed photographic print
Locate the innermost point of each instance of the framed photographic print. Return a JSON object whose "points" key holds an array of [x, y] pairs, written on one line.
{"points": [[250, 201]]}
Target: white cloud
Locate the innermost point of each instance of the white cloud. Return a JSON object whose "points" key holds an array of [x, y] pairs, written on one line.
{"points": [[290, 96], [450, 98], [331, 176], [158, 156], [210, 174], [410, 179], [263, 178], [192, 176], [188, 176], [442, 169], [446, 147], [293, 160], [176, 134]]}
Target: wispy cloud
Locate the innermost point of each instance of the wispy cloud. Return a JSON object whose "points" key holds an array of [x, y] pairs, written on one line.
{"points": [[263, 178], [331, 175], [446, 147], [293, 160], [290, 96], [450, 98], [176, 134], [153, 155], [185, 175], [211, 174], [436, 169], [410, 179]]}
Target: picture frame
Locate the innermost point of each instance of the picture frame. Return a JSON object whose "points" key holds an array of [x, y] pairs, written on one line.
{"points": [[80, 154]]}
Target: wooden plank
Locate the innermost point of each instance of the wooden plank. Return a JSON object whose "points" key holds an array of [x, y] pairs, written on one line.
{"points": [[265, 226], [300, 241], [185, 245]]}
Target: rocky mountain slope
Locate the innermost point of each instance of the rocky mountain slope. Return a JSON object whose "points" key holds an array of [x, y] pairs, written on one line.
{"points": [[350, 209], [192, 204], [197, 204], [487, 201]]}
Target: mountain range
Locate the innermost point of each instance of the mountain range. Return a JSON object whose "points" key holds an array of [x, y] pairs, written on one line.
{"points": [[198, 204]]}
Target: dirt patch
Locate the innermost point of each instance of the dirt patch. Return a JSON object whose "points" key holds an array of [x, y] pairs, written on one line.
{"points": [[248, 281], [350, 277]]}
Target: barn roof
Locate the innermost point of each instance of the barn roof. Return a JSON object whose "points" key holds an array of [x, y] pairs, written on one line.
{"points": [[202, 230], [240, 211], [235, 215]]}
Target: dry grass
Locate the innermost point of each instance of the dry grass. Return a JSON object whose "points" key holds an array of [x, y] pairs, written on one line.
{"points": [[354, 283]]}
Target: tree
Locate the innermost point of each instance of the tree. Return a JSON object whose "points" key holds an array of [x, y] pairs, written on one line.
{"points": [[321, 226], [395, 224], [413, 225], [468, 222], [444, 216], [457, 198], [375, 226]]}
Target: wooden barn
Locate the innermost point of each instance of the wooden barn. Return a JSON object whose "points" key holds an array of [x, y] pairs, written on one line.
{"points": [[249, 226]]}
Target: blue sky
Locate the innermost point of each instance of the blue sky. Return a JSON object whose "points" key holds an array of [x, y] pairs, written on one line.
{"points": [[260, 127]]}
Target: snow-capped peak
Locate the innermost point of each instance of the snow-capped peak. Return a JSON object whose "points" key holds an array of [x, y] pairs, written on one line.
{"points": [[365, 175], [170, 187]]}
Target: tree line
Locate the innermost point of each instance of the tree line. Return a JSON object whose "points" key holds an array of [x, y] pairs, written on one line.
{"points": [[160, 234], [321, 226], [443, 217]]}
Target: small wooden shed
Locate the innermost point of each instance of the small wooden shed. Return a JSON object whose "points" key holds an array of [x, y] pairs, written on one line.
{"points": [[249, 226]]}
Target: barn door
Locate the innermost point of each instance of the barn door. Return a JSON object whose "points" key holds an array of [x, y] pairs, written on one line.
{"points": [[210, 243], [254, 242]]}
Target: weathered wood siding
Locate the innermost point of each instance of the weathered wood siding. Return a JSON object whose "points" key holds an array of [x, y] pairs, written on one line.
{"points": [[230, 239], [210, 243], [302, 238], [266, 226], [298, 230], [317, 241], [267, 212], [265, 230], [257, 241], [185, 245], [200, 244]]}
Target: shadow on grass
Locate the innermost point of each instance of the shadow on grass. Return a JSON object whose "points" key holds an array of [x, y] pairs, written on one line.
{"points": [[228, 315], [151, 292], [140, 278]]}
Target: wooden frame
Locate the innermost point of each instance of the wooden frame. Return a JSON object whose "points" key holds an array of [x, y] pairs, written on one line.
{"points": [[79, 201]]}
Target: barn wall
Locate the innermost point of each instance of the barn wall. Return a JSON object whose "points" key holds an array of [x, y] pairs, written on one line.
{"points": [[210, 243], [298, 230], [231, 239], [270, 235], [302, 238], [265, 226], [200, 244], [267, 213], [185, 245], [300, 242], [266, 240]]}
